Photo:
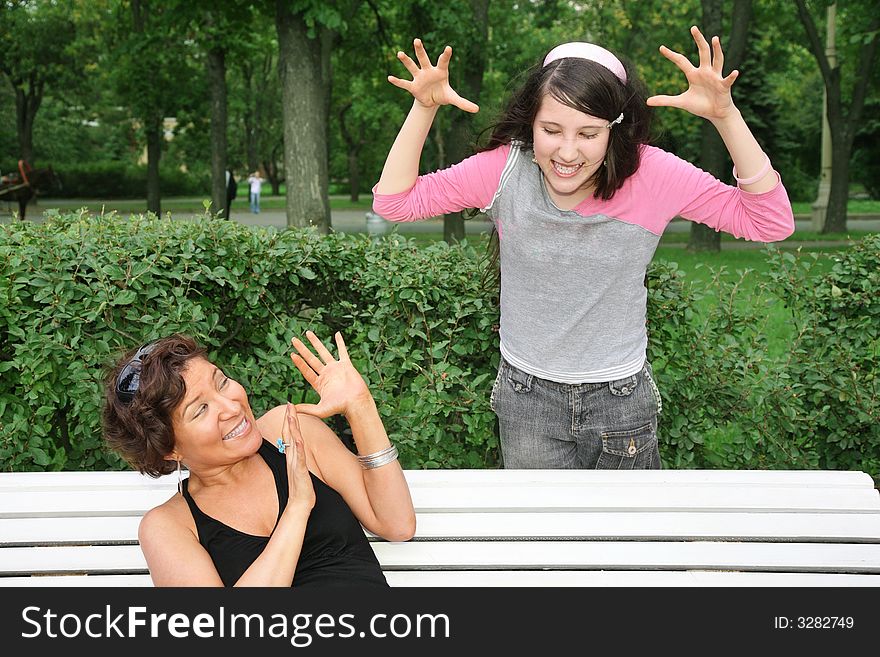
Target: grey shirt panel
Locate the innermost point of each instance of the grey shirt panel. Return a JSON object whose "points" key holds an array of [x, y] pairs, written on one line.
{"points": [[573, 299]]}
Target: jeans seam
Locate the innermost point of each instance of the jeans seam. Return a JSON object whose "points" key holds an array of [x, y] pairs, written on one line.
{"points": [[655, 390]]}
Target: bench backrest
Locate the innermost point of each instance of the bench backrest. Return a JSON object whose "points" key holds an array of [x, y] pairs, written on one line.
{"points": [[505, 527]]}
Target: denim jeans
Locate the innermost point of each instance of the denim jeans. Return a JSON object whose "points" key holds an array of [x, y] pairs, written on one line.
{"points": [[255, 202], [607, 426]]}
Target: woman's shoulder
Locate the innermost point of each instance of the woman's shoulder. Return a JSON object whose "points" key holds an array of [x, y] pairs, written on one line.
{"points": [[173, 515]]}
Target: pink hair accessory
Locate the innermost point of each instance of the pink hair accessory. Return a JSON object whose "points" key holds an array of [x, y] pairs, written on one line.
{"points": [[589, 51]]}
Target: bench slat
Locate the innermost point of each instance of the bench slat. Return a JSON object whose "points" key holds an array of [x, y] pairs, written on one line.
{"points": [[521, 578], [803, 527], [792, 557], [476, 477], [512, 555], [571, 497]]}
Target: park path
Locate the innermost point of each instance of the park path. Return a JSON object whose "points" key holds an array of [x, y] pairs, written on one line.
{"points": [[355, 221]]}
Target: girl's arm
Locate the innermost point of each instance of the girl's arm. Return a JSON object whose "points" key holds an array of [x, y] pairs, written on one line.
{"points": [[708, 96], [430, 88]]}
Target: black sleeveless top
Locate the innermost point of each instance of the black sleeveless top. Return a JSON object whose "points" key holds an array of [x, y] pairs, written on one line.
{"points": [[335, 550]]}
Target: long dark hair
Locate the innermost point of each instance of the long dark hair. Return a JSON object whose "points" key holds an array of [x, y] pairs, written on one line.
{"points": [[588, 87]]}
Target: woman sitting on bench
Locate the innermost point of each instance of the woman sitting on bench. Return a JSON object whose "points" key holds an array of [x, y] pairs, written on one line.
{"points": [[253, 511]]}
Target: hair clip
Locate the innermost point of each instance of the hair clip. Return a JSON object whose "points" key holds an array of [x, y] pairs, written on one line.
{"points": [[616, 121]]}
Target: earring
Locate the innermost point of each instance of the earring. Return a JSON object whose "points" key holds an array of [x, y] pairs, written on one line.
{"points": [[179, 479], [534, 159]]}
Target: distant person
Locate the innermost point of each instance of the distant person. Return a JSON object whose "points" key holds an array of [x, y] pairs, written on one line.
{"points": [[255, 180], [231, 192]]}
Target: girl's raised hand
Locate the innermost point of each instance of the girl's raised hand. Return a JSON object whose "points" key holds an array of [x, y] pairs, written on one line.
{"points": [[708, 93], [430, 84]]}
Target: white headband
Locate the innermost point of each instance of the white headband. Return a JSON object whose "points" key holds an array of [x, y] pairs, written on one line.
{"points": [[589, 51]]}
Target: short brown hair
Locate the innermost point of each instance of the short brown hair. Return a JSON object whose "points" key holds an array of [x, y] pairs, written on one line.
{"points": [[141, 431]]}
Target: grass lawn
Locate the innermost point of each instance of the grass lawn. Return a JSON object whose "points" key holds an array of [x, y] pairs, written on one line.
{"points": [[337, 202]]}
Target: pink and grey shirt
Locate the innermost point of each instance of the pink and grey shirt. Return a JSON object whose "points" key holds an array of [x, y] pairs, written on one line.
{"points": [[573, 299]]}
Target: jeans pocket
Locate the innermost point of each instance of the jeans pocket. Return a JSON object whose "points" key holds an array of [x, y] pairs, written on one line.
{"points": [[623, 387], [634, 449]]}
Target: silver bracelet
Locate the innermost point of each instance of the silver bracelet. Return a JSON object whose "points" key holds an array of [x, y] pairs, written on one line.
{"points": [[378, 459]]}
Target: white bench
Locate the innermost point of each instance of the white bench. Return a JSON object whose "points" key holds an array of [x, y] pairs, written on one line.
{"points": [[506, 528]]}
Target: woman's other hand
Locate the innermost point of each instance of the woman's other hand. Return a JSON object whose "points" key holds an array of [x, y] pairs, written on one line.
{"points": [[300, 488]]}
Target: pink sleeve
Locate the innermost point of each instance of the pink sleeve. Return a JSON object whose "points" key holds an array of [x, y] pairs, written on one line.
{"points": [[680, 188], [471, 183]]}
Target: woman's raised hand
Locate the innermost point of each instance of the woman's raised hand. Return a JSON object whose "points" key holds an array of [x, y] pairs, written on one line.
{"points": [[430, 84], [708, 93], [339, 385], [300, 488]]}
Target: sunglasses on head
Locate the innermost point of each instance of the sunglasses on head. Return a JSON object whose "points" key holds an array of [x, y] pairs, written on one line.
{"points": [[129, 378]]}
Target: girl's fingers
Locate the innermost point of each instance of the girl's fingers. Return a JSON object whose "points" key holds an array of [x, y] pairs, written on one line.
{"points": [[403, 84], [421, 54], [443, 59], [663, 101], [717, 56], [407, 62], [676, 58], [702, 46], [464, 104]]}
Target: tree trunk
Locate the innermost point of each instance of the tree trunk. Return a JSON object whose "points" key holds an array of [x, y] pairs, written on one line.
{"points": [[838, 190], [304, 104], [354, 176], [841, 124], [457, 143], [353, 148], [216, 64], [250, 128], [26, 106], [154, 152], [714, 157]]}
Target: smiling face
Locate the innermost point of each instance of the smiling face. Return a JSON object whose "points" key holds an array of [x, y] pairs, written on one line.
{"points": [[569, 147], [214, 424]]}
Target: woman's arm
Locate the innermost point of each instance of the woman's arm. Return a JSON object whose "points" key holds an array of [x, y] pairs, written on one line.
{"points": [[379, 497], [708, 96]]}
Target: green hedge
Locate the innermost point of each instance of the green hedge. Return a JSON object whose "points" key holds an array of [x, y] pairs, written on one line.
{"points": [[76, 290], [108, 180]]}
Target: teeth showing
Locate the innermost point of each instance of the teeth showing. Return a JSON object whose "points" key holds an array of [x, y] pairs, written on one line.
{"points": [[235, 433], [564, 170]]}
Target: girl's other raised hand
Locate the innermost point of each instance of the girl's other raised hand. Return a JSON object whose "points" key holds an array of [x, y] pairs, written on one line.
{"points": [[708, 93], [430, 84]]}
